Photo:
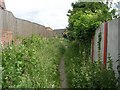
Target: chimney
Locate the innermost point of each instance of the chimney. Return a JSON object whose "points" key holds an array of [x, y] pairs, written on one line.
{"points": [[2, 4]]}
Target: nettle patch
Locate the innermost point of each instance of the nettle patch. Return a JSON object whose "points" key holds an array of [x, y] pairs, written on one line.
{"points": [[82, 73], [33, 63]]}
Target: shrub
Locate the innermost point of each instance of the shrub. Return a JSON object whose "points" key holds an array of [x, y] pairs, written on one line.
{"points": [[82, 73], [32, 64]]}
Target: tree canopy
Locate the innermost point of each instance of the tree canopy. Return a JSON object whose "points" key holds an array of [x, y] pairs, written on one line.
{"points": [[85, 18]]}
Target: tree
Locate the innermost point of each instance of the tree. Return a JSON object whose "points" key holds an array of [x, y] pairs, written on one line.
{"points": [[85, 18], [118, 8]]}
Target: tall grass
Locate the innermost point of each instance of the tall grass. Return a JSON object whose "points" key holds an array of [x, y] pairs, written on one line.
{"points": [[82, 73], [32, 64]]}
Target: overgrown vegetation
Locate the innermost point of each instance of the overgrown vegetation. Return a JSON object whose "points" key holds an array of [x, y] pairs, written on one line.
{"points": [[85, 18], [33, 63], [99, 45], [82, 73]]}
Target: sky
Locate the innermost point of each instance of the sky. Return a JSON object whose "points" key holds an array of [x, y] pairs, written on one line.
{"points": [[50, 13]]}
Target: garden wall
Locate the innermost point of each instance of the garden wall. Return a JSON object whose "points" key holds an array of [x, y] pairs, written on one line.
{"points": [[59, 32], [110, 43], [11, 26]]}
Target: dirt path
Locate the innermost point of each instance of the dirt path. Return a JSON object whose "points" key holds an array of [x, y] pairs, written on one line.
{"points": [[63, 78]]}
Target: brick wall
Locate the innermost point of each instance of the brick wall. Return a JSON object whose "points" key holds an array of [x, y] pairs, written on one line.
{"points": [[6, 37]]}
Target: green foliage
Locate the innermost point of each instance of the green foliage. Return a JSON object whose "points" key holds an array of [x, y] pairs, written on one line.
{"points": [[83, 25], [82, 73], [99, 45], [99, 41], [32, 64], [85, 18]]}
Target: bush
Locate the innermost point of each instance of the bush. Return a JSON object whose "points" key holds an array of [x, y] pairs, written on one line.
{"points": [[32, 64], [82, 73]]}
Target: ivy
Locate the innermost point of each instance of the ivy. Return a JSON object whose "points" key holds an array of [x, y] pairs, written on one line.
{"points": [[99, 41], [99, 45]]}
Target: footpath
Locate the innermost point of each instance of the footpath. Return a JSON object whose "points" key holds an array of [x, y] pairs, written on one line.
{"points": [[63, 78]]}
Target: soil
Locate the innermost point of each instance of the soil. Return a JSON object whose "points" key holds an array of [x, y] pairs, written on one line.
{"points": [[63, 78]]}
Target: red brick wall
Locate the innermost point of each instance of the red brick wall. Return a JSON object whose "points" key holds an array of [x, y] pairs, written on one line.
{"points": [[6, 37]]}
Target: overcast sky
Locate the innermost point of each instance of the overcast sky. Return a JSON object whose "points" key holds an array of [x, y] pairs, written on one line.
{"points": [[46, 12], [50, 13]]}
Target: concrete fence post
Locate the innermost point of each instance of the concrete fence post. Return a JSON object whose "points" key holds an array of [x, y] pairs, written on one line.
{"points": [[92, 48], [105, 43]]}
